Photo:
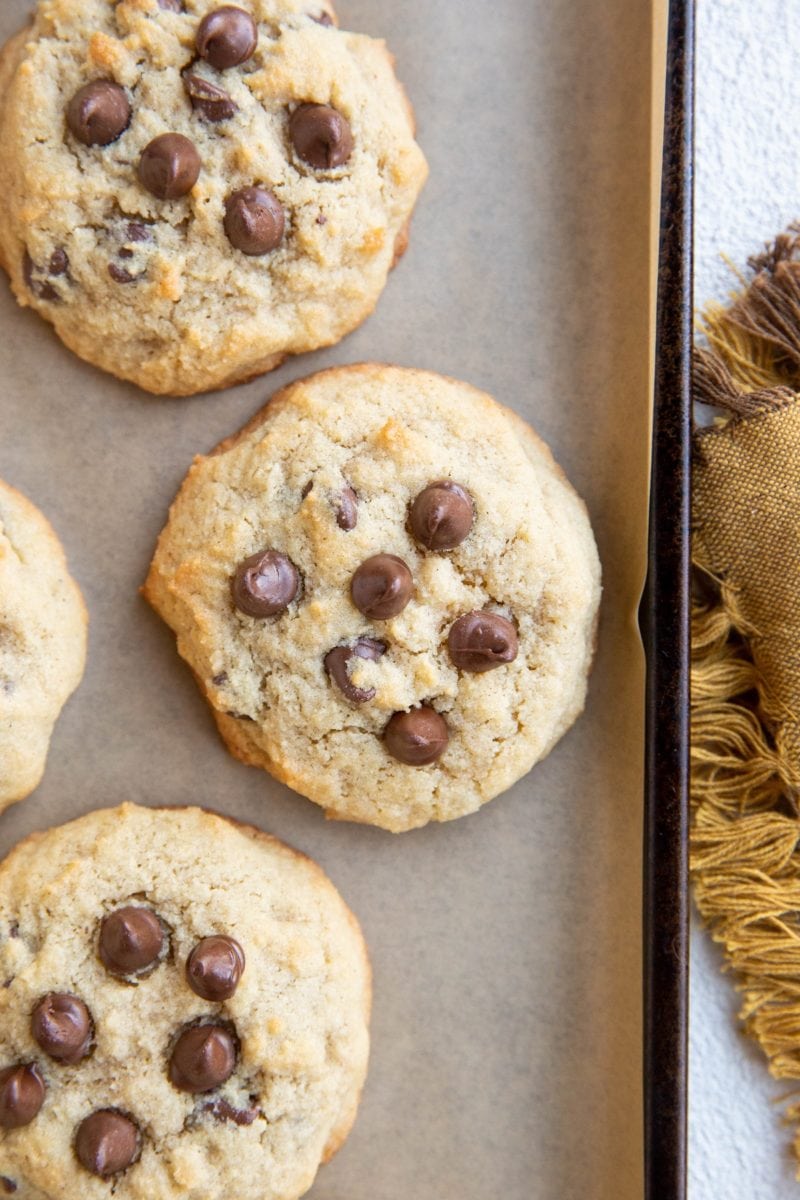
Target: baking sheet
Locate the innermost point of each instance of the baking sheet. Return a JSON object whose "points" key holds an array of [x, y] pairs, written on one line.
{"points": [[506, 946]]}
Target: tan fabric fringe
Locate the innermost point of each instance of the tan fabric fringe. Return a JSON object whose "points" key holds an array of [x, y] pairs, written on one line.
{"points": [[745, 859]]}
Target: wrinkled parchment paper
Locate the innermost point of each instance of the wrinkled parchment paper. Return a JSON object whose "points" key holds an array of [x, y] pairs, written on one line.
{"points": [[506, 946]]}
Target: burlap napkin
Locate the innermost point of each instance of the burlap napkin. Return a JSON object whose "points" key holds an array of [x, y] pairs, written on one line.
{"points": [[746, 647]]}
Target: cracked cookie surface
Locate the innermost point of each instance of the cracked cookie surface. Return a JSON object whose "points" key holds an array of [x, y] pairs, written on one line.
{"points": [[42, 642], [186, 217], [184, 1008], [388, 592]]}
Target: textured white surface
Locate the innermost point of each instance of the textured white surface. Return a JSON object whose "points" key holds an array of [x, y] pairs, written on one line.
{"points": [[748, 185]]}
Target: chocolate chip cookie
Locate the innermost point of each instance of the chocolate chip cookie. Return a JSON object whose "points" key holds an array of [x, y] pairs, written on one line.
{"points": [[184, 1007], [388, 592], [42, 642], [192, 191]]}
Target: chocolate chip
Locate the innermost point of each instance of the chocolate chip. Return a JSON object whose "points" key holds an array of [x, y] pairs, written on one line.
{"points": [[322, 219], [169, 166], [131, 940], [214, 968], [221, 679], [347, 513], [120, 275], [321, 136], [7, 1185], [22, 1092], [221, 1110], [204, 1056], [171, 5], [99, 113], [13, 931], [131, 235], [137, 231], [213, 102], [382, 587], [226, 37], [338, 660], [416, 738], [324, 18], [254, 221], [481, 641], [62, 1027], [107, 1142], [265, 584], [59, 262], [38, 286], [307, 489], [442, 515]]}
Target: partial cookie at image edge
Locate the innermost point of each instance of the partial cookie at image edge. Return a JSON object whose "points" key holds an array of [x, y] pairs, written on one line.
{"points": [[171, 366], [43, 641], [305, 884]]}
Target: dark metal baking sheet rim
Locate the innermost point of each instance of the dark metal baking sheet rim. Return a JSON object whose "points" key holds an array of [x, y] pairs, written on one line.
{"points": [[665, 629]]}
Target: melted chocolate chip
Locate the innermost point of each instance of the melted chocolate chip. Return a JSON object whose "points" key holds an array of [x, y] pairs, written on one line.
{"points": [[120, 275], [107, 1142], [381, 587], [254, 221], [59, 262], [204, 1056], [417, 738], [99, 113], [221, 1110], [214, 968], [131, 940], [265, 584], [62, 1027], [337, 662], [137, 231], [7, 1185], [213, 102], [130, 235], [226, 37], [171, 5], [481, 641], [323, 18], [22, 1092], [347, 512], [442, 515], [38, 286], [321, 136], [170, 166], [221, 679]]}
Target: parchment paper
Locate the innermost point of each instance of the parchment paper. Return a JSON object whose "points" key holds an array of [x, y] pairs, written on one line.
{"points": [[506, 946]]}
